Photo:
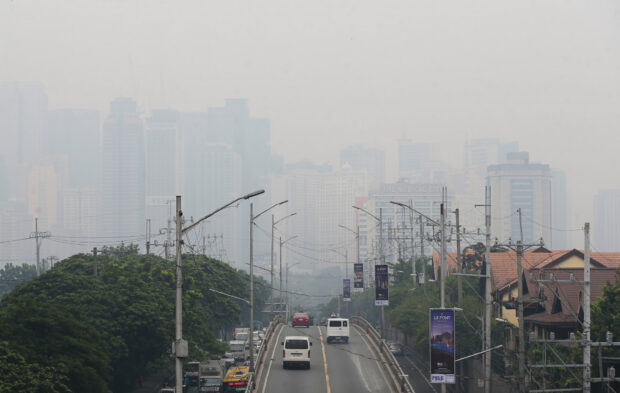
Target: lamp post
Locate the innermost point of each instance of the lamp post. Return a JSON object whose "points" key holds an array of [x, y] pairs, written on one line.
{"points": [[252, 218], [287, 298], [273, 226], [380, 220], [180, 345], [281, 244]]}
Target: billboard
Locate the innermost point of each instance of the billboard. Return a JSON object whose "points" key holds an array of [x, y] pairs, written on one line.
{"points": [[381, 286], [346, 290], [442, 345], [358, 279]]}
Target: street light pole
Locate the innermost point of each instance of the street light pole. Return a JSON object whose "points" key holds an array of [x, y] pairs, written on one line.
{"points": [[180, 345], [252, 218], [281, 244]]}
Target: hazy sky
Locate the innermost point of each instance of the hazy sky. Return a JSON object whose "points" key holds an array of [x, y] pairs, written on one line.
{"points": [[332, 73]]}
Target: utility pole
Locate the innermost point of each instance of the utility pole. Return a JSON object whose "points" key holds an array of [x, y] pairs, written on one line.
{"points": [[458, 259], [167, 242], [271, 272], [251, 287], [180, 344], [95, 261], [280, 275], [148, 236], [38, 237], [487, 293], [413, 261], [422, 242], [587, 372]]}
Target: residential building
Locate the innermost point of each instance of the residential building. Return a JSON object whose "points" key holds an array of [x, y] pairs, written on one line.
{"points": [[123, 173], [519, 184]]}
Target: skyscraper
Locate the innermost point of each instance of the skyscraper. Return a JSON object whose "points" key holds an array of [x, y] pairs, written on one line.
{"points": [[162, 165], [122, 172], [606, 226], [519, 184], [369, 160]]}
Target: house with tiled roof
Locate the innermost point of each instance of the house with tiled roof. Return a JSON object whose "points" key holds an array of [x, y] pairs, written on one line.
{"points": [[547, 306]]}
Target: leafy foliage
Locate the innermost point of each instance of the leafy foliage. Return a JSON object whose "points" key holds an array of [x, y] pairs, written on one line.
{"points": [[13, 275], [97, 334]]}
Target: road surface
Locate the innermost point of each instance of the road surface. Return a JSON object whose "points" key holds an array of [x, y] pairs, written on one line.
{"points": [[336, 367]]}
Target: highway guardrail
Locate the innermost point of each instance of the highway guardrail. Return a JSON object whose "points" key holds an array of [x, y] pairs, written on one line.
{"points": [[400, 380]]}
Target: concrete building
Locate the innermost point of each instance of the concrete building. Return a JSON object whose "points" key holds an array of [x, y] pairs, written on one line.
{"points": [[606, 226], [23, 128], [521, 184], [123, 174], [162, 166], [369, 160]]}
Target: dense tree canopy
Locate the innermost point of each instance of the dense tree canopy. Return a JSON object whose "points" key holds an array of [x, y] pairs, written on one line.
{"points": [[83, 333]]}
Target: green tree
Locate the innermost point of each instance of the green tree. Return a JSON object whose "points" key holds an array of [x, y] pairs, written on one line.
{"points": [[13, 275]]}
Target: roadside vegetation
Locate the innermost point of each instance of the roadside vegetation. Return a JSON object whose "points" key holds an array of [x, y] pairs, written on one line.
{"points": [[69, 331]]}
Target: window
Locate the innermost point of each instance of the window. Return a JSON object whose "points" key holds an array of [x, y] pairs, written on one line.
{"points": [[296, 344], [344, 323], [335, 324]]}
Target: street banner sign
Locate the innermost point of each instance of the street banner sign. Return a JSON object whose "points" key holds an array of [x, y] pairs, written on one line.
{"points": [[358, 280], [381, 286], [442, 345], [346, 290]]}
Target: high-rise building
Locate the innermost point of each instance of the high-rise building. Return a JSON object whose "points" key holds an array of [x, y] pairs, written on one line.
{"points": [[519, 184], [74, 134], [559, 210], [23, 125], [122, 173], [369, 160], [419, 162], [213, 181], [162, 166], [606, 227]]}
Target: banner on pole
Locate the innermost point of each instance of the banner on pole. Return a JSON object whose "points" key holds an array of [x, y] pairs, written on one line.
{"points": [[442, 345], [381, 286], [358, 280], [346, 290]]}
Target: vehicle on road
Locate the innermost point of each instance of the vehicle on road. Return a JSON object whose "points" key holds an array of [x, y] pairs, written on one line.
{"points": [[211, 375], [166, 390], [242, 334], [337, 330], [239, 350], [236, 379], [296, 351], [301, 319], [395, 348]]}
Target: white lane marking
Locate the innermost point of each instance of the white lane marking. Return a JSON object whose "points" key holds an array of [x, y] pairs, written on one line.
{"points": [[324, 361], [389, 385], [275, 345]]}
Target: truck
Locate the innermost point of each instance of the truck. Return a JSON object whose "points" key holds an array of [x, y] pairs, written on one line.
{"points": [[241, 334], [211, 375]]}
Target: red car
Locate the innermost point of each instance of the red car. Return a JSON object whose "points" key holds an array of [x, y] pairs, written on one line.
{"points": [[301, 319]]}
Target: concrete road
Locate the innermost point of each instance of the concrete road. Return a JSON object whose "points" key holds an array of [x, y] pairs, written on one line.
{"points": [[338, 368]]}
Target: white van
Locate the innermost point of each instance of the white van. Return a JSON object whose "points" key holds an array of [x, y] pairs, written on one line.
{"points": [[337, 329], [296, 351]]}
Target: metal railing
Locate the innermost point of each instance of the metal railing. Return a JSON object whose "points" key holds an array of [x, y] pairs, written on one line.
{"points": [[399, 379], [260, 356]]}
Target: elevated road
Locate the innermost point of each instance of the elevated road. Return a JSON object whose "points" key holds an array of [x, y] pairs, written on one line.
{"points": [[338, 368]]}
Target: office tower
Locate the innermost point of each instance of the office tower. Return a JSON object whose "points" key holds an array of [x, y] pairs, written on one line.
{"points": [[369, 160], [559, 210], [420, 162], [122, 173], [606, 225], [519, 184], [162, 171], [23, 124]]}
